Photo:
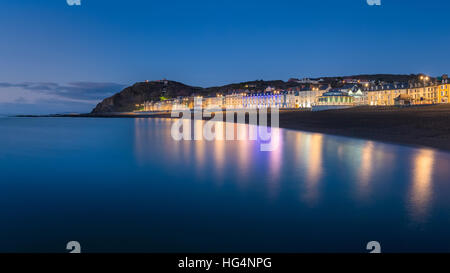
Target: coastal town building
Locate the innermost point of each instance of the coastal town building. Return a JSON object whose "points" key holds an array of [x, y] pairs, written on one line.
{"points": [[423, 93], [424, 90], [308, 81], [419, 93], [272, 98], [289, 99], [307, 97], [384, 95], [351, 81], [347, 96], [444, 90], [444, 93], [216, 102], [335, 97], [403, 100], [234, 100], [358, 96]]}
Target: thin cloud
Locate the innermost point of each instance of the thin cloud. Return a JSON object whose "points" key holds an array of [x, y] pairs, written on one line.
{"points": [[88, 91]]}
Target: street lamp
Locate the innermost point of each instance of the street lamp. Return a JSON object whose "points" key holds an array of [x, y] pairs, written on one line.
{"points": [[424, 78]]}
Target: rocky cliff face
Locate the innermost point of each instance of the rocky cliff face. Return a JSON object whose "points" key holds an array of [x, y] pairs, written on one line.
{"points": [[138, 93]]}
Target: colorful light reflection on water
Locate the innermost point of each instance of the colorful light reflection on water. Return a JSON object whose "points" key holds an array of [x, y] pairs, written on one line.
{"points": [[125, 185]]}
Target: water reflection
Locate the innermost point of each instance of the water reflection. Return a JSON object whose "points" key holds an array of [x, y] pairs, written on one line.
{"points": [[150, 133], [421, 188], [240, 158], [142, 186], [219, 152], [199, 147], [313, 158], [275, 163], [141, 137], [366, 169]]}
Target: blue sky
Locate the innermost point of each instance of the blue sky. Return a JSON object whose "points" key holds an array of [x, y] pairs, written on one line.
{"points": [[60, 58]]}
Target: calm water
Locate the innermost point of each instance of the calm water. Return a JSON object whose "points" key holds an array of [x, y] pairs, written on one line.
{"points": [[124, 185]]}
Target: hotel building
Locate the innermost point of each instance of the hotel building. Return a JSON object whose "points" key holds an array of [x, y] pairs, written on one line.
{"points": [[265, 99], [416, 93], [384, 95], [423, 93], [234, 100], [307, 97]]}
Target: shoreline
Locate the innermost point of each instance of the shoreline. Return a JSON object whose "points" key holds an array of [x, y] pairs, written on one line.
{"points": [[418, 126]]}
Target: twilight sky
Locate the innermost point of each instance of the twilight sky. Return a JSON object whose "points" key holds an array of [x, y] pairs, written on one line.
{"points": [[59, 58]]}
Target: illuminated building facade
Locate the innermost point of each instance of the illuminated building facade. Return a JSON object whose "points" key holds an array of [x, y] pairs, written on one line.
{"points": [[444, 90], [308, 97], [234, 100], [384, 95], [424, 90], [335, 97], [423, 93], [418, 93], [275, 99], [288, 99]]}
